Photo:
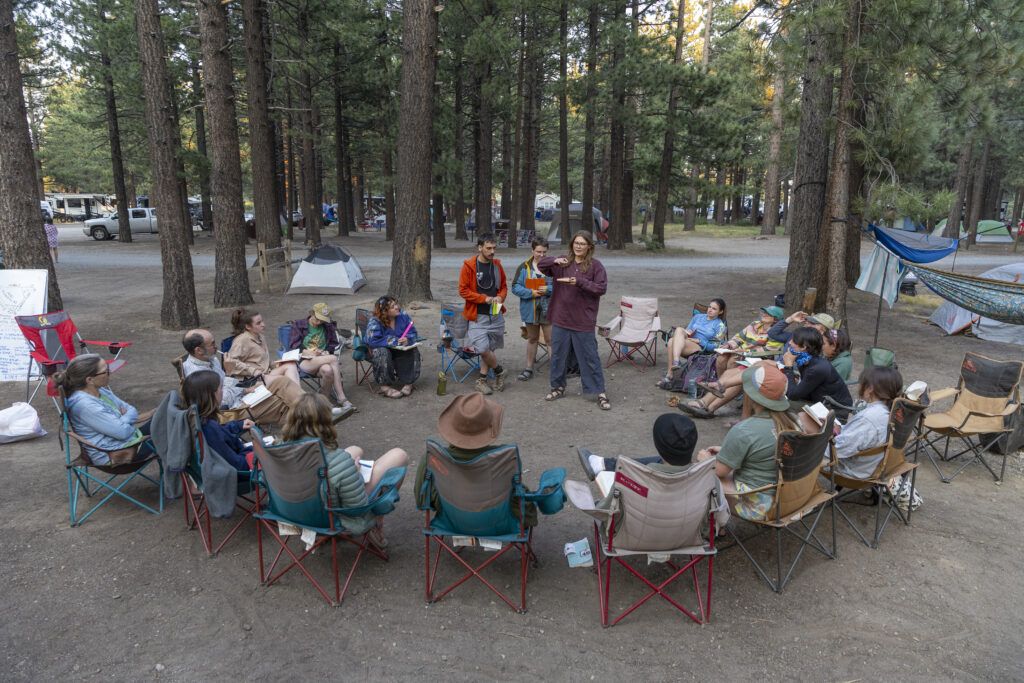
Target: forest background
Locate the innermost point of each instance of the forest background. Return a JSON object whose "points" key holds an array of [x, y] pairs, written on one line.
{"points": [[832, 113]]}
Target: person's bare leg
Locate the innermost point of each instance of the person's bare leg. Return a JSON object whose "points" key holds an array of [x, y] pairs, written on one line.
{"points": [[532, 341], [675, 347], [487, 361], [396, 457]]}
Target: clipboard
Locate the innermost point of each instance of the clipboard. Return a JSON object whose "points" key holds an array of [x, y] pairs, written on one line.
{"points": [[535, 282]]}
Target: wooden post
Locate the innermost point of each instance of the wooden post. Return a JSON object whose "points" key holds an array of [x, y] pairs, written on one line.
{"points": [[261, 261], [810, 294]]}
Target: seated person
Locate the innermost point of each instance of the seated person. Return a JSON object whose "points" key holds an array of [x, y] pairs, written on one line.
{"points": [[704, 333], [822, 322], [746, 458], [311, 418], [754, 337], [868, 428], [470, 424], [836, 347], [249, 355], [203, 389], [202, 355], [97, 414], [389, 328], [317, 337], [675, 437], [811, 377]]}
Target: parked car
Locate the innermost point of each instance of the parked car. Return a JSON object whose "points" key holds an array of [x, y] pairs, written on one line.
{"points": [[141, 221]]}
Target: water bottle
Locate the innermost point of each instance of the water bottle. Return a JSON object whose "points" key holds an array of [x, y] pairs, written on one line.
{"points": [[691, 388], [442, 384]]}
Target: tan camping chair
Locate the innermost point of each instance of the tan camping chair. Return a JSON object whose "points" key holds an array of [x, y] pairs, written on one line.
{"points": [[904, 426], [632, 335], [984, 402], [655, 514], [798, 496]]}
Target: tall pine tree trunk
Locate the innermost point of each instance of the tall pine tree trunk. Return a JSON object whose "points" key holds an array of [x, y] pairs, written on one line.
{"points": [[460, 153], [124, 232], [771, 182], [390, 211], [231, 283], [564, 189], [617, 133], [963, 170], [178, 309], [808, 200], [21, 232], [410, 266], [977, 194], [342, 188], [517, 134], [590, 124], [201, 146], [669, 144]]}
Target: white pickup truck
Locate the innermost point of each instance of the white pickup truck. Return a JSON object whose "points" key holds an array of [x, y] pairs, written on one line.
{"points": [[141, 221]]}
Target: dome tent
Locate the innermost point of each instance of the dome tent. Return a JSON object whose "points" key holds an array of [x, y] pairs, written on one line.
{"points": [[328, 269]]}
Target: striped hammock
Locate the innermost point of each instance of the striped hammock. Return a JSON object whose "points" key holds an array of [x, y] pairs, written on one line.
{"points": [[996, 299]]}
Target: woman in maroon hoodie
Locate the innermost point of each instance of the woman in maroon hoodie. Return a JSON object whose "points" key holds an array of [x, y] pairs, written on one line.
{"points": [[580, 282]]}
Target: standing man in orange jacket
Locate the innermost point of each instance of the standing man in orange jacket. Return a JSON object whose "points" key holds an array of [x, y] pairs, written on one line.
{"points": [[482, 285]]}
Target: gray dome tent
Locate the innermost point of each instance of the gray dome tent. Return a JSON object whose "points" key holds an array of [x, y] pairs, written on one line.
{"points": [[328, 269]]}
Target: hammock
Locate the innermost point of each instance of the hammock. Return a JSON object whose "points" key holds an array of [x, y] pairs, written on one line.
{"points": [[996, 299], [915, 247]]}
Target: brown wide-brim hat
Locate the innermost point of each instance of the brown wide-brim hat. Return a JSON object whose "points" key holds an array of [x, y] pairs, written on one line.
{"points": [[470, 421]]}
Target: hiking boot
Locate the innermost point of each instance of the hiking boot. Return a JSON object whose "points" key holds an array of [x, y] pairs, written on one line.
{"points": [[483, 387], [499, 380]]}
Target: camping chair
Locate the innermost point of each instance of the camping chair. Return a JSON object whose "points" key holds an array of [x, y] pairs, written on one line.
{"points": [[51, 339], [360, 353], [179, 366], [454, 355], [632, 335], [904, 426], [291, 494], [655, 515], [797, 496], [876, 357], [482, 502], [543, 352], [984, 401], [197, 514], [311, 382], [122, 463]]}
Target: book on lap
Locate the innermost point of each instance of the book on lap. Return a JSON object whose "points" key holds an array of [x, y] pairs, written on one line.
{"points": [[257, 396]]}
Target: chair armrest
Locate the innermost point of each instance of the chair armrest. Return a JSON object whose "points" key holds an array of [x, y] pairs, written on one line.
{"points": [[111, 344], [656, 324], [550, 494], [611, 327], [580, 496], [145, 416], [940, 394]]}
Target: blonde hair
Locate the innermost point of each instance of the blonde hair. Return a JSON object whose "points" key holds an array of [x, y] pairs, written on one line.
{"points": [[310, 417], [782, 420]]}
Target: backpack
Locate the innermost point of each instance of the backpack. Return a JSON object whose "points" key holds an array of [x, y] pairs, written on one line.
{"points": [[360, 351], [700, 367]]}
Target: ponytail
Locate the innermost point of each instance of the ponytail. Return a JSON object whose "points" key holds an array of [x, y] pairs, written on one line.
{"points": [[240, 319], [73, 377]]}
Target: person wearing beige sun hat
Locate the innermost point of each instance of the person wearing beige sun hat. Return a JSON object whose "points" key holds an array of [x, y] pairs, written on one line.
{"points": [[316, 336], [746, 458]]}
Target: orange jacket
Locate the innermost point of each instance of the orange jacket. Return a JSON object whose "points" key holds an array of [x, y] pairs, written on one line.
{"points": [[467, 287]]}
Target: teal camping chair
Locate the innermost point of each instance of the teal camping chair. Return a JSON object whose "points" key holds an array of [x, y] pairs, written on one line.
{"points": [[361, 352], [197, 512], [457, 360], [292, 489], [124, 464], [482, 502]]}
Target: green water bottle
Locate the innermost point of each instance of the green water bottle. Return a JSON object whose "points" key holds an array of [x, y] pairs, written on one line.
{"points": [[442, 384]]}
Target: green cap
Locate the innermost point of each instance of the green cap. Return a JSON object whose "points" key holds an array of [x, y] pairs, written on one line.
{"points": [[774, 311]]}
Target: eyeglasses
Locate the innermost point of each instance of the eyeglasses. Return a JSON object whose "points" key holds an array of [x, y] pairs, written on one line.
{"points": [[100, 374], [580, 244]]}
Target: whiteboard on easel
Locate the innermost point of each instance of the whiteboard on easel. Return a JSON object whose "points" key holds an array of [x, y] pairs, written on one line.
{"points": [[22, 292]]}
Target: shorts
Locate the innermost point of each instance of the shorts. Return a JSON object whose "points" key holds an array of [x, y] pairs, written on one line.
{"points": [[755, 506], [486, 333]]}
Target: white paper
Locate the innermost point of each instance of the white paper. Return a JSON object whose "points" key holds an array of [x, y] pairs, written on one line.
{"points": [[257, 396], [294, 355], [605, 481], [22, 292], [366, 469], [308, 537], [409, 347], [488, 544]]}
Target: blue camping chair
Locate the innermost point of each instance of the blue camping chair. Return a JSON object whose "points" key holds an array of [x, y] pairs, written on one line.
{"points": [[291, 481], [311, 382], [225, 343], [197, 513], [483, 502], [124, 464], [456, 360]]}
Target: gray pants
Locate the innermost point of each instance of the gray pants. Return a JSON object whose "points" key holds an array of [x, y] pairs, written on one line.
{"points": [[584, 346]]}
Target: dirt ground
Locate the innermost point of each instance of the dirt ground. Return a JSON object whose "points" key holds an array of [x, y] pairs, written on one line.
{"points": [[131, 596]]}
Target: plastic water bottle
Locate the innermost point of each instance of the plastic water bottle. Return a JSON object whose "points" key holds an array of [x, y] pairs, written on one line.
{"points": [[442, 384], [691, 388]]}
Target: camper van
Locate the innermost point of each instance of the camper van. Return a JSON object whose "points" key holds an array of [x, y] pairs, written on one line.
{"points": [[69, 207]]}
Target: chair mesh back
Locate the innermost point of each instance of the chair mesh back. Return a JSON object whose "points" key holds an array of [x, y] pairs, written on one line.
{"points": [[799, 459], [362, 320], [293, 472], [661, 511], [638, 314], [52, 334], [988, 378], [452, 319], [903, 420], [475, 494], [284, 333]]}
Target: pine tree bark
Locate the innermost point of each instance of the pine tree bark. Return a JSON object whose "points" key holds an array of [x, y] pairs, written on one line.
{"points": [[505, 210], [771, 181], [178, 309], [977, 194], [963, 170], [617, 133], [310, 200], [517, 134], [564, 189], [590, 119], [201, 147], [483, 134], [808, 194], [342, 188], [460, 153], [21, 231], [265, 185], [669, 144], [410, 266], [124, 232], [231, 282], [390, 211], [720, 196]]}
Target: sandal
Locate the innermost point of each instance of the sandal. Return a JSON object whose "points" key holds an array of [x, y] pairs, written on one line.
{"points": [[555, 394], [603, 403], [406, 391], [714, 388], [696, 409], [390, 392], [665, 383], [525, 375]]}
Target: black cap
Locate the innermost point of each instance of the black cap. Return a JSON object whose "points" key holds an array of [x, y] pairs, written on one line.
{"points": [[675, 437]]}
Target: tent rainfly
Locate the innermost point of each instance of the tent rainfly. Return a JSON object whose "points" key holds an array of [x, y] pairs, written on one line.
{"points": [[329, 269], [989, 231], [953, 319]]}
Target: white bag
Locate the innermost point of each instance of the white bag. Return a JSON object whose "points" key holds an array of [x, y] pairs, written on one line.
{"points": [[19, 422]]}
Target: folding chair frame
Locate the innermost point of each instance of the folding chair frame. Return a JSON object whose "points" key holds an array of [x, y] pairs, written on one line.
{"points": [[973, 443], [364, 368], [646, 351], [310, 382], [880, 521], [526, 558], [603, 566]]}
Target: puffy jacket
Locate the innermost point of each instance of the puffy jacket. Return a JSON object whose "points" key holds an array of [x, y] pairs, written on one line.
{"points": [[533, 308]]}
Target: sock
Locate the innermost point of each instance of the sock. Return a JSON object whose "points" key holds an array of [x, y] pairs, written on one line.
{"points": [[498, 370]]}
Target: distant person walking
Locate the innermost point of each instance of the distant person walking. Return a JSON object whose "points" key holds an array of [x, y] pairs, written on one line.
{"points": [[482, 285], [52, 237]]}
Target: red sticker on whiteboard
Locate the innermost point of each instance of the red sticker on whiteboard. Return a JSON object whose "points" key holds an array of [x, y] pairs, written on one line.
{"points": [[640, 490]]}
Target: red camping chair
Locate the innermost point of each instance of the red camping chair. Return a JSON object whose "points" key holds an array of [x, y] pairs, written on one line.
{"points": [[51, 339]]}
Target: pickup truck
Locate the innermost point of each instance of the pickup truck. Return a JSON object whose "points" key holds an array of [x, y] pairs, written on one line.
{"points": [[141, 221]]}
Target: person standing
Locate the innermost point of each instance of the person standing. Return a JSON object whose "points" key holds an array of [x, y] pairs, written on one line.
{"points": [[482, 285], [534, 298], [52, 237], [579, 285]]}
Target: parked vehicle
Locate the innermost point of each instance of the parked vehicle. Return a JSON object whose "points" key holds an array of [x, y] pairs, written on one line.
{"points": [[141, 221]]}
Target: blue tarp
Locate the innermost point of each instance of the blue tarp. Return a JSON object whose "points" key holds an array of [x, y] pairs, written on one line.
{"points": [[914, 247]]}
